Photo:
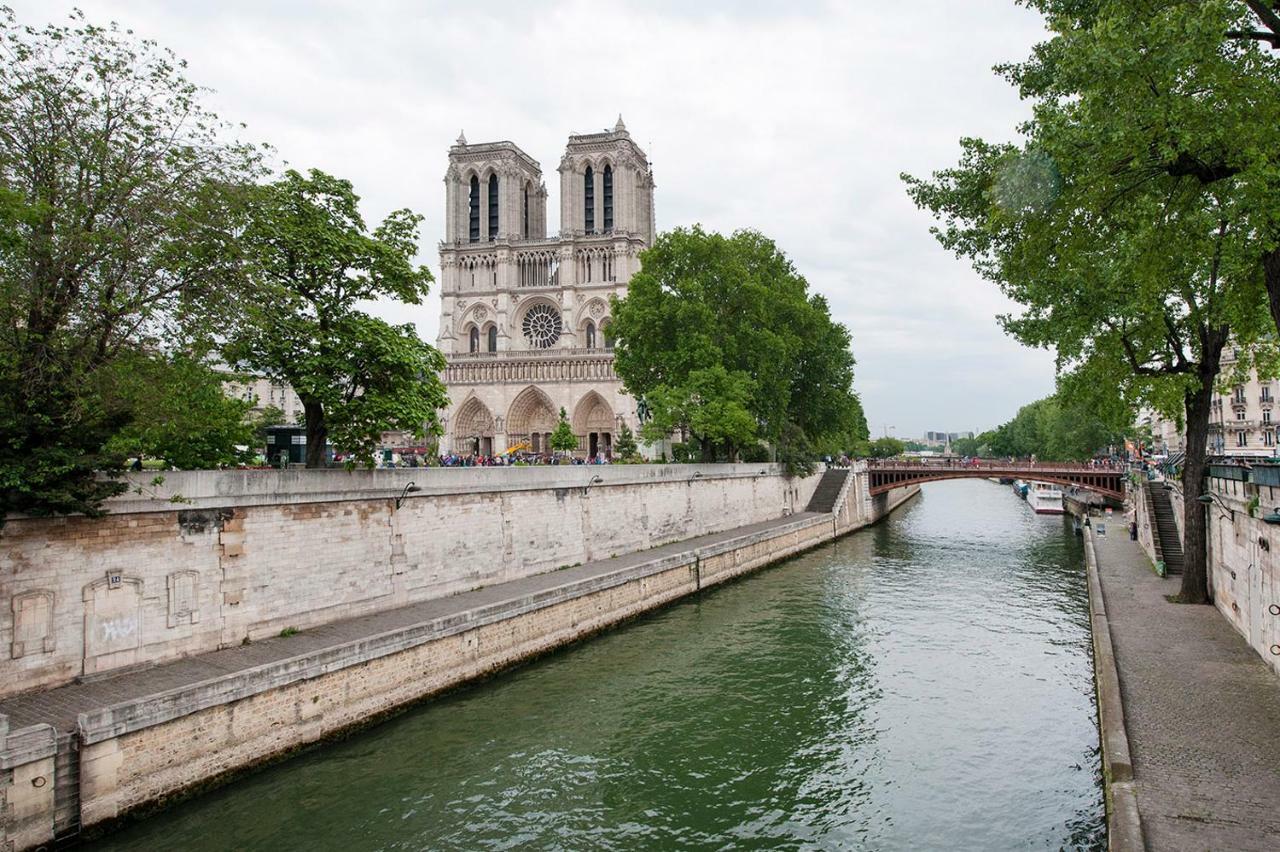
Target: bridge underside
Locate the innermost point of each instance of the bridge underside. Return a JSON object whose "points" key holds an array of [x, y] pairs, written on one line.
{"points": [[1106, 482]]}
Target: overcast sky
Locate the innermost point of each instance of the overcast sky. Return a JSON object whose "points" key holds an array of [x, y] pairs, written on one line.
{"points": [[791, 117]]}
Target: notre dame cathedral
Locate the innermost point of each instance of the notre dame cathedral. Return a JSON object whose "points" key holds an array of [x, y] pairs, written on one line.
{"points": [[524, 323]]}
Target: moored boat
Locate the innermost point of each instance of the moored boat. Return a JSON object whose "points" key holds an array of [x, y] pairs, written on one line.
{"points": [[1045, 498]]}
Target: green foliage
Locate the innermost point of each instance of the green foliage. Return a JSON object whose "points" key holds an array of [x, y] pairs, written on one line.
{"points": [[268, 416], [1136, 223], [884, 448], [116, 190], [1052, 430], [562, 438], [312, 259], [180, 412], [795, 453], [625, 445], [683, 453], [722, 339]]}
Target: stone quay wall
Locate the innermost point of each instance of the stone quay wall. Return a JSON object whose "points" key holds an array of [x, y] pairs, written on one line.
{"points": [[205, 560], [1244, 557], [146, 749]]}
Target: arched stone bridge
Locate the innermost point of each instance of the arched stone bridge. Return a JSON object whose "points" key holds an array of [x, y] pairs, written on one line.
{"points": [[885, 475]]}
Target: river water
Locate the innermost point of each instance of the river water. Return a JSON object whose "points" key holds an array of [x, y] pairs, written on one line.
{"points": [[923, 684]]}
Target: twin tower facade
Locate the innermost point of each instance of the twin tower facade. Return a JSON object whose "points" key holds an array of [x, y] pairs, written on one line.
{"points": [[524, 322]]}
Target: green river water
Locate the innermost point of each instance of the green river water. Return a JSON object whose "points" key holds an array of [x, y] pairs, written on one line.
{"points": [[923, 684]]}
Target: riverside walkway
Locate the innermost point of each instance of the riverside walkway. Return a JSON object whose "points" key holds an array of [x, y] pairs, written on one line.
{"points": [[1201, 710]]}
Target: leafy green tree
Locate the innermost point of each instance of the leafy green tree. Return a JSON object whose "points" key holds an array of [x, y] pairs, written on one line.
{"points": [[180, 412], [721, 337], [313, 260], [562, 438], [884, 448], [1127, 263], [1185, 89], [116, 190], [711, 404], [1052, 430], [625, 445]]}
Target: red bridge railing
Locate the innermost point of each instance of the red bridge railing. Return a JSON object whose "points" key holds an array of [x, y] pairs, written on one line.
{"points": [[1103, 477]]}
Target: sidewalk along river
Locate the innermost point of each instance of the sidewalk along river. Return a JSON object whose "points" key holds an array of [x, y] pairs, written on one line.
{"points": [[923, 684]]}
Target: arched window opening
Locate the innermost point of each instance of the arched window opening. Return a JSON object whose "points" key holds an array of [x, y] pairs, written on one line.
{"points": [[473, 210], [606, 329], [591, 335], [526, 211], [589, 200], [608, 198], [493, 207], [493, 338], [475, 339]]}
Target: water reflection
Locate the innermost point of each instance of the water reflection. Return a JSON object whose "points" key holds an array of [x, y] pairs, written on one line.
{"points": [[922, 685]]}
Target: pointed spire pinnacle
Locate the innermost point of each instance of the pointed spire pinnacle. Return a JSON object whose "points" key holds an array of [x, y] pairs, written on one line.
{"points": [[619, 127], [462, 138]]}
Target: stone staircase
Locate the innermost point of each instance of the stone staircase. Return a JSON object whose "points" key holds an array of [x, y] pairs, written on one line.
{"points": [[1168, 543], [828, 491]]}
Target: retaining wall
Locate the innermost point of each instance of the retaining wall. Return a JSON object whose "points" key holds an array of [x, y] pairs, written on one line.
{"points": [[155, 746], [203, 560]]}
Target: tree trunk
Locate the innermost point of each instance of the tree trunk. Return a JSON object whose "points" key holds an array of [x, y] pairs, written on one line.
{"points": [[1271, 270], [317, 432], [1198, 401]]}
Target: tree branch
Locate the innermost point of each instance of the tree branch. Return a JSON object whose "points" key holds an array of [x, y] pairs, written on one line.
{"points": [[1255, 35], [1268, 15]]}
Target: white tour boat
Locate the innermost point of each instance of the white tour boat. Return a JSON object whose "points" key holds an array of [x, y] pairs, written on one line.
{"points": [[1045, 498]]}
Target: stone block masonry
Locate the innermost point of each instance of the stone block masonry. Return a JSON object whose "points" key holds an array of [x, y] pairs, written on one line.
{"points": [[194, 720], [246, 554]]}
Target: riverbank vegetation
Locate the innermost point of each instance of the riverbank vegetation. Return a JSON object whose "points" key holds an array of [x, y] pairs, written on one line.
{"points": [[1136, 221], [138, 241], [722, 338], [1048, 429]]}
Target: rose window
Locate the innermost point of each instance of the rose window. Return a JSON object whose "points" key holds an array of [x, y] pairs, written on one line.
{"points": [[542, 325]]}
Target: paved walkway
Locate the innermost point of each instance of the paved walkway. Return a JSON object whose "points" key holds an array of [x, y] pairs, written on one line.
{"points": [[60, 707], [1202, 712]]}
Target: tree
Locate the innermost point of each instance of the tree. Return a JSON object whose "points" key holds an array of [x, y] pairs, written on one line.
{"points": [[712, 404], [1051, 430], [267, 417], [116, 190], [721, 337], [885, 448], [625, 446], [180, 412], [312, 259], [1125, 265], [1187, 89], [562, 438]]}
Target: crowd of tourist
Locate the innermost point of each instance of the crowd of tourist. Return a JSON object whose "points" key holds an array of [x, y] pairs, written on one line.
{"points": [[517, 460]]}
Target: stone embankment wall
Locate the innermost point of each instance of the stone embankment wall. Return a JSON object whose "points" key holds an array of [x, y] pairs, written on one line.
{"points": [[1244, 557], [245, 554], [153, 746]]}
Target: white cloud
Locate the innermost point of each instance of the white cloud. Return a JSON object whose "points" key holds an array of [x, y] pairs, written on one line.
{"points": [[791, 117]]}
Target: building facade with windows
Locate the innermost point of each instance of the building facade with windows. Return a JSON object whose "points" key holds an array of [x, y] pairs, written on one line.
{"points": [[524, 324], [1242, 420]]}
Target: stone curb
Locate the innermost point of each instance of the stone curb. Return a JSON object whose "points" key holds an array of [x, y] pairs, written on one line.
{"points": [[1124, 825]]}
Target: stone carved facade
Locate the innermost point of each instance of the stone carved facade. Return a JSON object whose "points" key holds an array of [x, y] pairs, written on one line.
{"points": [[525, 317]]}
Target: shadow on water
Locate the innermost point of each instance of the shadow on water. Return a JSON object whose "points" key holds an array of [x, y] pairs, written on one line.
{"points": [[924, 684]]}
